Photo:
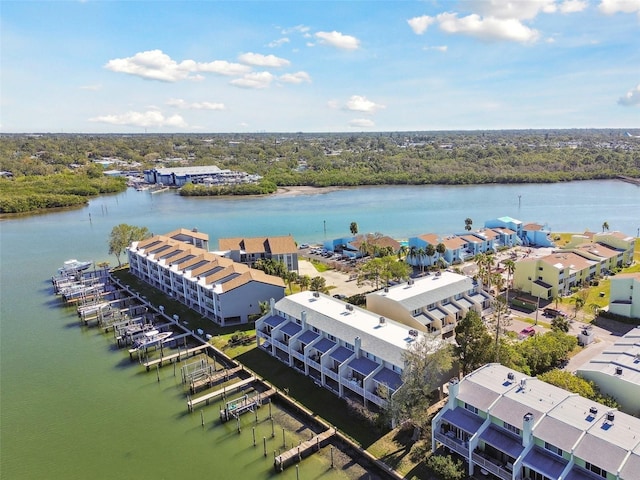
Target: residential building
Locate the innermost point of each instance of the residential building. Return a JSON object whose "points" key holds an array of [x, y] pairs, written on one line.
{"points": [[534, 234], [580, 262], [250, 250], [218, 288], [511, 427], [352, 352], [193, 237], [619, 242], [431, 304], [622, 300], [616, 371], [508, 223]]}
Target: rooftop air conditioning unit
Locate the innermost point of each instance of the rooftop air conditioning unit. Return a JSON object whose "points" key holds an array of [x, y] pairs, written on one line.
{"points": [[349, 307], [610, 416], [618, 370], [316, 294], [386, 289], [413, 333], [382, 320], [511, 376], [523, 382], [593, 411]]}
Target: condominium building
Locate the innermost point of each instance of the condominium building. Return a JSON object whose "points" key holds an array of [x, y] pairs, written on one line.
{"points": [[616, 371], [218, 288], [432, 304], [622, 299], [250, 250], [511, 427], [352, 352]]}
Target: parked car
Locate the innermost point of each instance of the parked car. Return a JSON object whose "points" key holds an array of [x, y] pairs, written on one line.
{"points": [[526, 332]]}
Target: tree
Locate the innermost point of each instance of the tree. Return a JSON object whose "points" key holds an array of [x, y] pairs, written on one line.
{"points": [[473, 343], [560, 324], [353, 228], [430, 251], [122, 236], [318, 284], [499, 322], [305, 281], [446, 467], [428, 362], [605, 226], [467, 224], [441, 249], [579, 300], [510, 267]]}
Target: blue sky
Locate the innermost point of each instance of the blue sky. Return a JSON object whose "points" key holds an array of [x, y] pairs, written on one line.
{"points": [[318, 66]]}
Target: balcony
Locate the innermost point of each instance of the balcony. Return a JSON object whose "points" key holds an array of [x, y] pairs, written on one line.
{"points": [[454, 444], [298, 355], [372, 397], [354, 385], [491, 465], [331, 374], [280, 345]]}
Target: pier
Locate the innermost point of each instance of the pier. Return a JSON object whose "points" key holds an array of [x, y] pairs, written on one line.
{"points": [[209, 376], [296, 454], [175, 356], [244, 404], [192, 402]]}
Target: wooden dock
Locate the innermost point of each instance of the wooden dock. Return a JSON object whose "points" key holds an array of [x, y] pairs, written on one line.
{"points": [[192, 402], [176, 356], [210, 378], [296, 454], [235, 408]]}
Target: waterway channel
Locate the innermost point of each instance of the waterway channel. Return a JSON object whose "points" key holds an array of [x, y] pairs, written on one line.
{"points": [[73, 406]]}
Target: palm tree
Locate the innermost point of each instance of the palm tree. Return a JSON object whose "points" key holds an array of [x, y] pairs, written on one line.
{"points": [[605, 226], [305, 281], [441, 249], [510, 267], [402, 253], [595, 309], [560, 324], [353, 228], [421, 253], [430, 251]]}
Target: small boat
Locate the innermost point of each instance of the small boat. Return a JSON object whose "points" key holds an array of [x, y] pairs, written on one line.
{"points": [[74, 265], [152, 338]]}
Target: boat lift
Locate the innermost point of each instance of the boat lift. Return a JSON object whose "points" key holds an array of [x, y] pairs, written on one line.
{"points": [[244, 404]]}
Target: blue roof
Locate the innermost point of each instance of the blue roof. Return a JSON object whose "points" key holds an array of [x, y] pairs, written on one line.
{"points": [[463, 419], [324, 345], [308, 337], [389, 378], [274, 320], [341, 354], [291, 328], [546, 463], [502, 441], [363, 365]]}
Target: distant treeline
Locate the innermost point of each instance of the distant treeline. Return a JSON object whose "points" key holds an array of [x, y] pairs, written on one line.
{"points": [[396, 158]]}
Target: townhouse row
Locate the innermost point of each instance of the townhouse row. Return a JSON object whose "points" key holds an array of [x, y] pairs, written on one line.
{"points": [[511, 427]]}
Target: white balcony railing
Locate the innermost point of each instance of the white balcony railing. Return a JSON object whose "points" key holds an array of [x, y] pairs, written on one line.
{"points": [[453, 443], [490, 466], [298, 355], [280, 345], [331, 374]]}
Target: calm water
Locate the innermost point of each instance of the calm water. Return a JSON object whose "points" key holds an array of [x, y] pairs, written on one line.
{"points": [[71, 406]]}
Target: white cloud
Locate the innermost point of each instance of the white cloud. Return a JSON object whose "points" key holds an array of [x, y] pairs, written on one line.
{"points": [[150, 118], [509, 9], [297, 29], [490, 28], [632, 97], [338, 40], [278, 43], [362, 123], [93, 88], [609, 7], [439, 48], [157, 65], [419, 25], [573, 6], [359, 103], [260, 60], [180, 103], [253, 80], [298, 77]]}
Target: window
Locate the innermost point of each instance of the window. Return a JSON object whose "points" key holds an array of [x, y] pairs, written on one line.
{"points": [[553, 448], [471, 408], [348, 346], [595, 469], [314, 329], [511, 428], [331, 337]]}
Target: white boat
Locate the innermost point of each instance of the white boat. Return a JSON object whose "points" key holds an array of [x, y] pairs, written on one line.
{"points": [[74, 265], [150, 339]]}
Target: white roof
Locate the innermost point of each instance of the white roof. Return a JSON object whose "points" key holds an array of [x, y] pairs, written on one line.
{"points": [[331, 315]]}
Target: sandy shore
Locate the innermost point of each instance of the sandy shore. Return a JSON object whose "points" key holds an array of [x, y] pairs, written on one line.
{"points": [[304, 190]]}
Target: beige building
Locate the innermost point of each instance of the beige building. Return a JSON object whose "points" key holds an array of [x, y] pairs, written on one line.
{"points": [[432, 304], [220, 289], [250, 250]]}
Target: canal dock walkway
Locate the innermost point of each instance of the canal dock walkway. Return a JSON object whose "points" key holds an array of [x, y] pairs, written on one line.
{"points": [[192, 402], [296, 454]]}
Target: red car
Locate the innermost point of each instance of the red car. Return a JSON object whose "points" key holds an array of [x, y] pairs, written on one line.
{"points": [[527, 332]]}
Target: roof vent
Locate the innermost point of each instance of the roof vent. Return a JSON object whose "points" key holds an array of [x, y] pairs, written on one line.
{"points": [[610, 416], [511, 376], [618, 370], [349, 307], [593, 411], [316, 294], [382, 321], [386, 289]]}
